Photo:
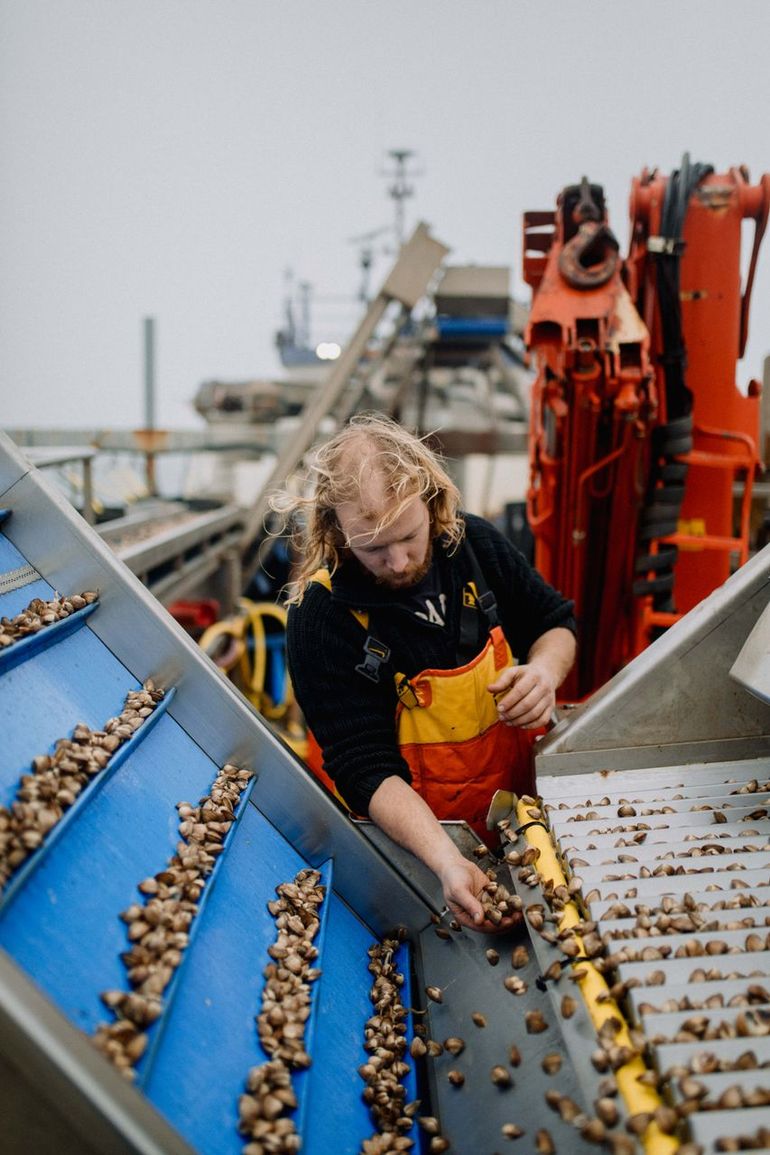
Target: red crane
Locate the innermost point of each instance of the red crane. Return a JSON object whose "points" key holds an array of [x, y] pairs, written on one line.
{"points": [[638, 432]]}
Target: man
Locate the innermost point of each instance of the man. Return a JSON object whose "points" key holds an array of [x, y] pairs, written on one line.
{"points": [[428, 652]]}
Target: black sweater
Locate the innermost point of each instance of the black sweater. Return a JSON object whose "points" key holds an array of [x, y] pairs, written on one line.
{"points": [[352, 718]]}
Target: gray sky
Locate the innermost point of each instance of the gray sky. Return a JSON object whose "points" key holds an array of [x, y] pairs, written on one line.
{"points": [[174, 157]]}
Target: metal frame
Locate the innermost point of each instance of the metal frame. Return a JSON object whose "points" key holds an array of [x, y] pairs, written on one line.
{"points": [[99, 1109], [674, 703]]}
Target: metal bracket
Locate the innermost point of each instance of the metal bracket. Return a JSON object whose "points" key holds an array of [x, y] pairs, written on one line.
{"points": [[667, 246]]}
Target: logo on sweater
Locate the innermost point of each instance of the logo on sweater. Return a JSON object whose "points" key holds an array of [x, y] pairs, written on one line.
{"points": [[470, 595], [436, 614]]}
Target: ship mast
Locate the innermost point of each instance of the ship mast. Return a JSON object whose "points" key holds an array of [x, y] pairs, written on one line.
{"points": [[400, 189]]}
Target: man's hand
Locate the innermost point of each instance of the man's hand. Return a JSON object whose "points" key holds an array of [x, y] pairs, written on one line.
{"points": [[463, 883], [526, 696], [408, 820]]}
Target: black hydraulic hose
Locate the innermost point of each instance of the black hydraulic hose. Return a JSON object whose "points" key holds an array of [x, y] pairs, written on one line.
{"points": [[665, 492], [681, 185]]}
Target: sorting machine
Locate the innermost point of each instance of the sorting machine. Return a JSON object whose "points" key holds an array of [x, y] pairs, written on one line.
{"points": [[544, 1063], [658, 797]]}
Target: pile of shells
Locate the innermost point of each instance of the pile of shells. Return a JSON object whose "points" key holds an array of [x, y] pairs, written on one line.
{"points": [[281, 1022], [544, 917], [634, 808], [710, 848], [696, 1094], [758, 1140], [57, 779], [385, 1066], [668, 870], [657, 978], [704, 928], [709, 843], [755, 993], [673, 916], [751, 1023], [261, 1111], [610, 1055], [751, 787], [286, 994], [40, 614], [158, 927], [693, 947], [670, 905], [497, 901], [635, 833], [576, 943], [601, 1127], [592, 1128], [707, 1063], [706, 848]]}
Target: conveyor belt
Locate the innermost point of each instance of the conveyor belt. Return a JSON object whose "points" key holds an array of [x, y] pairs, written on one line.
{"points": [[82, 856], [687, 953], [140, 915]]}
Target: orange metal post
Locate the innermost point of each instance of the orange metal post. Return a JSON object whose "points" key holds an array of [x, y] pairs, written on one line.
{"points": [[714, 316]]}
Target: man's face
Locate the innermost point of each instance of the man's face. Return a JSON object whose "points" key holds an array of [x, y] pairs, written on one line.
{"points": [[399, 555]]}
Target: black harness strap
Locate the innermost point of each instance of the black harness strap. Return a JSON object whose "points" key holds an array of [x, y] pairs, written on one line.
{"points": [[476, 597]]}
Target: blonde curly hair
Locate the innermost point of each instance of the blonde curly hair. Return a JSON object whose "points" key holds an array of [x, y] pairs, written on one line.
{"points": [[369, 447]]}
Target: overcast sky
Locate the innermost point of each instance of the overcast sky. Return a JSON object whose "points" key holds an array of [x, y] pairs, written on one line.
{"points": [[174, 157]]}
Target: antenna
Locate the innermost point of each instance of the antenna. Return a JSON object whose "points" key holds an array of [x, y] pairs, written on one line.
{"points": [[288, 305], [295, 333], [400, 189], [366, 257], [305, 290]]}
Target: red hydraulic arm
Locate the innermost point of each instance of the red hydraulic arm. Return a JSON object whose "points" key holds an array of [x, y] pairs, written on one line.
{"points": [[637, 431], [691, 266]]}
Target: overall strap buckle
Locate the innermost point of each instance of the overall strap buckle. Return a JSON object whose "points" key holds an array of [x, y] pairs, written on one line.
{"points": [[407, 695], [376, 654]]}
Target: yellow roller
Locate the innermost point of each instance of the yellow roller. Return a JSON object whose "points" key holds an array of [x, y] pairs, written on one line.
{"points": [[636, 1095]]}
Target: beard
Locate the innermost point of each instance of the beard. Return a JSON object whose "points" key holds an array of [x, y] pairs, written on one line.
{"points": [[412, 577]]}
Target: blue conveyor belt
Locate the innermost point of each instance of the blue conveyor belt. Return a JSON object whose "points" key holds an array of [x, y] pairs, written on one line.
{"points": [[60, 914]]}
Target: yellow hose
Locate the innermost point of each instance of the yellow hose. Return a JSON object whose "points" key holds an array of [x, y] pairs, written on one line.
{"points": [[636, 1095], [254, 677], [251, 661], [228, 628]]}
